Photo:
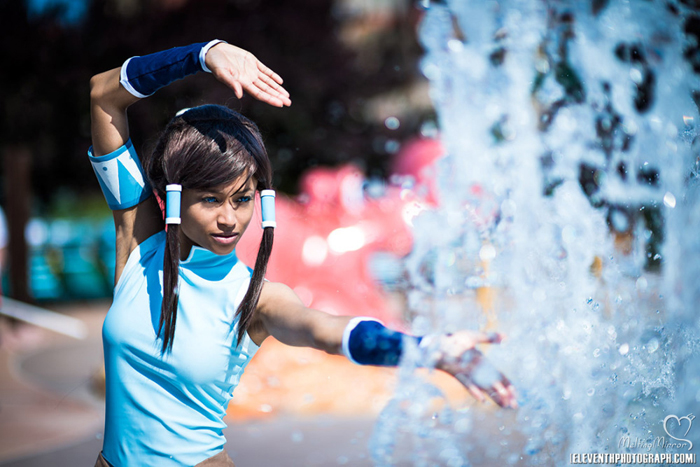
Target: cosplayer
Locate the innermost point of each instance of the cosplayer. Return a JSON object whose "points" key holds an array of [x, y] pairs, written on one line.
{"points": [[187, 316]]}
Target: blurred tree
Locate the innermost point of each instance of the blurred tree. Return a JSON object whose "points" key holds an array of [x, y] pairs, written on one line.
{"points": [[48, 63]]}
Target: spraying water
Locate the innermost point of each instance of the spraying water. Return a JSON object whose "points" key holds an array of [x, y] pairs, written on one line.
{"points": [[569, 220]]}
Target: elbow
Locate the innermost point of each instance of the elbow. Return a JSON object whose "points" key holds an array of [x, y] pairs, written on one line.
{"points": [[97, 88]]}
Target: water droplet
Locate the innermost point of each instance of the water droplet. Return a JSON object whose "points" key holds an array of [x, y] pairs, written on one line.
{"points": [[455, 45], [392, 146], [624, 348], [463, 425], [670, 200], [636, 75], [641, 284], [653, 345], [539, 295], [591, 391], [392, 123], [487, 252]]}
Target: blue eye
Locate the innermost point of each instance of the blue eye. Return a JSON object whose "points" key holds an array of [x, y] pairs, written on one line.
{"points": [[210, 199], [244, 199]]}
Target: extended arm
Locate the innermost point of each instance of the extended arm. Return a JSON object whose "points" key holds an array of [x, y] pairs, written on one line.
{"points": [[282, 315]]}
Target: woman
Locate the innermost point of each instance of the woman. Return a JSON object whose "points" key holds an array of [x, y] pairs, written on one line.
{"points": [[187, 315]]}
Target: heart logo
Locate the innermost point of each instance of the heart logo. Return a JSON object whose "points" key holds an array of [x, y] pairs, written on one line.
{"points": [[676, 426]]}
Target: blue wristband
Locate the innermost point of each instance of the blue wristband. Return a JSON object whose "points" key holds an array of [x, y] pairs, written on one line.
{"points": [[369, 342], [142, 76]]}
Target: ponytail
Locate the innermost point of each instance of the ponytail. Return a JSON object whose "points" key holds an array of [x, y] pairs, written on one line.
{"points": [[171, 266], [246, 310]]}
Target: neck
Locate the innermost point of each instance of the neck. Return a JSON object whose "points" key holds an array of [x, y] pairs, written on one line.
{"points": [[185, 246]]}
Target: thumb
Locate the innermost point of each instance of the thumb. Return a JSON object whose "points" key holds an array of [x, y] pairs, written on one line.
{"points": [[238, 89]]}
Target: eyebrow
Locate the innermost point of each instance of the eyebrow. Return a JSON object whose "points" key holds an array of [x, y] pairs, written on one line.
{"points": [[242, 189]]}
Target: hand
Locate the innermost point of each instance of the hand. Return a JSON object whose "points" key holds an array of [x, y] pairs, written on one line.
{"points": [[240, 70], [457, 355]]}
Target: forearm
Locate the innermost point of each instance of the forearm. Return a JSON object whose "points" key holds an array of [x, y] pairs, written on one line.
{"points": [[108, 104], [310, 328]]}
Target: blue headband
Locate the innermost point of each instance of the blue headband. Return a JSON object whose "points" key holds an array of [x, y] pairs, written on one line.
{"points": [[267, 206], [173, 195]]}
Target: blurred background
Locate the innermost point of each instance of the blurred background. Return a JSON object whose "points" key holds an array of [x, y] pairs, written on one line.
{"points": [[351, 67], [350, 159]]}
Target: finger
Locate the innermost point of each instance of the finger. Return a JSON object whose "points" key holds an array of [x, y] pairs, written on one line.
{"points": [[501, 390], [237, 89], [495, 396], [473, 389], [488, 338], [274, 85], [476, 393], [271, 87], [265, 89], [264, 96], [269, 72], [513, 396], [507, 394]]}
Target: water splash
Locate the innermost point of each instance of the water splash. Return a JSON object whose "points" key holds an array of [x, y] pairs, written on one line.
{"points": [[575, 122]]}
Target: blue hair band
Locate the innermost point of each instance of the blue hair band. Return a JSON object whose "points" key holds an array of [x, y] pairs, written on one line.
{"points": [[267, 206], [173, 199]]}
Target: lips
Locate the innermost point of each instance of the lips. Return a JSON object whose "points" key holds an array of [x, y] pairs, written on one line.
{"points": [[225, 238]]}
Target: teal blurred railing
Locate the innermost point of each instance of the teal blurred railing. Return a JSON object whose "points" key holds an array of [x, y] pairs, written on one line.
{"points": [[70, 259]]}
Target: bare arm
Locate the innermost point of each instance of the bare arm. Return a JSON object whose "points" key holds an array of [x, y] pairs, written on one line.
{"points": [[109, 102], [281, 314]]}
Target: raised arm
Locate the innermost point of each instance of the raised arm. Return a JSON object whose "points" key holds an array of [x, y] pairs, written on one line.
{"points": [[109, 101], [366, 341], [136, 214]]}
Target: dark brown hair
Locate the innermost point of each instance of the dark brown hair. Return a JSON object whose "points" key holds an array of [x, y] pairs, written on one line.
{"points": [[202, 148]]}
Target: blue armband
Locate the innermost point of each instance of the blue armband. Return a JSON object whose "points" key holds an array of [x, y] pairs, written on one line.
{"points": [[368, 342], [142, 76], [121, 177]]}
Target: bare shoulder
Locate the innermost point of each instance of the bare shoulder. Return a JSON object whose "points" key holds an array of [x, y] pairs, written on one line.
{"points": [[275, 298], [274, 294]]}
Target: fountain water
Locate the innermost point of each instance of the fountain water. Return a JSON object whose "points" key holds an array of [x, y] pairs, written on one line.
{"points": [[576, 119]]}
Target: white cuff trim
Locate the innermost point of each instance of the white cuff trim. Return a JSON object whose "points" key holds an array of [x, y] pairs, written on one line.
{"points": [[346, 334], [124, 80], [203, 53]]}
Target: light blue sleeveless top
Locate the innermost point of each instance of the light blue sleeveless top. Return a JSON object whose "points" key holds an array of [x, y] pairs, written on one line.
{"points": [[168, 410]]}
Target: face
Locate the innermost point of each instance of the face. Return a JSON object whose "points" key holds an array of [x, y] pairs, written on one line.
{"points": [[216, 218]]}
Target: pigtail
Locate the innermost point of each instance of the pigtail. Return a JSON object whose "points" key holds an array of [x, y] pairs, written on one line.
{"points": [[171, 265], [246, 309]]}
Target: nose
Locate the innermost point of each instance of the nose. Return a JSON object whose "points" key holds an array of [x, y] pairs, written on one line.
{"points": [[226, 216]]}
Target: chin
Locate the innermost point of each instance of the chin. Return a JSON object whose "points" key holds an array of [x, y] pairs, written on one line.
{"points": [[223, 250]]}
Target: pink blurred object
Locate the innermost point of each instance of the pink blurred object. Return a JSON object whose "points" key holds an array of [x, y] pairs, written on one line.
{"points": [[417, 159], [325, 239]]}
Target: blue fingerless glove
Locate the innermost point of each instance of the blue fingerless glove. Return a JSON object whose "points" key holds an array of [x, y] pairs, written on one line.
{"points": [[369, 342], [142, 76]]}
